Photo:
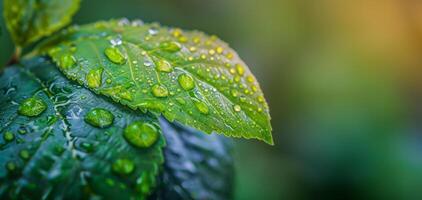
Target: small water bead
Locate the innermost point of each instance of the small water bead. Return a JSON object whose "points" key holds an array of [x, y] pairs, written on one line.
{"points": [[159, 90], [10, 166], [201, 106], [192, 49], [67, 61], [240, 69], [123, 166], [141, 134], [234, 93], [115, 55], [24, 154], [229, 56], [164, 66], [8, 136], [170, 46], [186, 82], [32, 107], [250, 79], [144, 183], [237, 108], [211, 51], [94, 78], [260, 99], [183, 39], [232, 71], [177, 32], [219, 50], [99, 117], [116, 41], [152, 31]]}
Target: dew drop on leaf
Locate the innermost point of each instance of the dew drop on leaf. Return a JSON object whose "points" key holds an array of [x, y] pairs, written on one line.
{"points": [[67, 61], [170, 46], [115, 55], [160, 90], [11, 166], [94, 78], [164, 66], [99, 117], [123, 166], [141, 134], [32, 107], [144, 183], [237, 108], [8, 136], [24, 154], [201, 106], [186, 82]]}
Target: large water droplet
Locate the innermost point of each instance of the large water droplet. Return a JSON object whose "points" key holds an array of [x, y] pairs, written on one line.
{"points": [[159, 90], [186, 82], [8, 136], [67, 61], [170, 46], [237, 108], [164, 66], [94, 78], [99, 117], [32, 107], [123, 166], [115, 55], [24, 154], [141, 134], [201, 106]]}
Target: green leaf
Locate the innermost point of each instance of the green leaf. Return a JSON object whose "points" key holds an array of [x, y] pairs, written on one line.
{"points": [[30, 20], [61, 141], [197, 166], [187, 76]]}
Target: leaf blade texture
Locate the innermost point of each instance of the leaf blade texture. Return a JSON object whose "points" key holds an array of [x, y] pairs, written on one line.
{"points": [[53, 150], [187, 76]]}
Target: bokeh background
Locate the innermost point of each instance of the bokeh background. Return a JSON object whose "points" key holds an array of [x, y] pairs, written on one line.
{"points": [[343, 79]]}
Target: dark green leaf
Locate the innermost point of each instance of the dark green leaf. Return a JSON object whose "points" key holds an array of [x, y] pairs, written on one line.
{"points": [[51, 151], [197, 166], [30, 20], [187, 76]]}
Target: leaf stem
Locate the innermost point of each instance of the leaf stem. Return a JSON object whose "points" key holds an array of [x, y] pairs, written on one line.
{"points": [[16, 56]]}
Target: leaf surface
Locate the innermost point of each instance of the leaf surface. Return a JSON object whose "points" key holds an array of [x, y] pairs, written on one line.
{"points": [[187, 76], [54, 146], [30, 20]]}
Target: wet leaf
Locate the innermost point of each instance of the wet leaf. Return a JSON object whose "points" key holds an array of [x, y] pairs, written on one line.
{"points": [[197, 166], [30, 20], [71, 144], [187, 76]]}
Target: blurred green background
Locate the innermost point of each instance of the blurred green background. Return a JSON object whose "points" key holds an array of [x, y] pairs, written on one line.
{"points": [[343, 80]]}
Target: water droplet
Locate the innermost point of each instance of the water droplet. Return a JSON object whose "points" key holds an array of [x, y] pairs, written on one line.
{"points": [[201, 106], [99, 117], [170, 46], [211, 51], [260, 99], [115, 55], [32, 107], [250, 78], [234, 93], [94, 78], [24, 154], [240, 69], [229, 56], [186, 82], [177, 32], [219, 50], [159, 90], [152, 31], [181, 100], [141, 134], [11, 166], [67, 61], [237, 108], [164, 66], [8, 136], [123, 166], [116, 41]]}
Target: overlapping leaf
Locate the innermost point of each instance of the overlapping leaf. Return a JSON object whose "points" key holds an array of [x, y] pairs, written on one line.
{"points": [[187, 76], [197, 166], [29, 20], [50, 149]]}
